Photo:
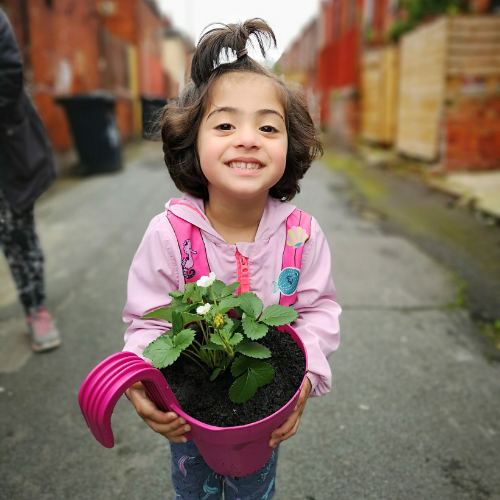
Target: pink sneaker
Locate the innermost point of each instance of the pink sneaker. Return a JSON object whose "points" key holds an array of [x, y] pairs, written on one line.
{"points": [[44, 334]]}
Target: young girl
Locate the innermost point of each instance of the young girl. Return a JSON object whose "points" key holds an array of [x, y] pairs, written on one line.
{"points": [[236, 142]]}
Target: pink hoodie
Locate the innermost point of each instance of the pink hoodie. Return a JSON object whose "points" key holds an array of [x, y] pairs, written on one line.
{"points": [[156, 271]]}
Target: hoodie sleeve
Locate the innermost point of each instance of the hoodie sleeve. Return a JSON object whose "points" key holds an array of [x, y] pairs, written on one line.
{"points": [[316, 305], [153, 274]]}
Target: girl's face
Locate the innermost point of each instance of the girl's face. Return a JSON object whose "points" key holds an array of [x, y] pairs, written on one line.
{"points": [[242, 141]]}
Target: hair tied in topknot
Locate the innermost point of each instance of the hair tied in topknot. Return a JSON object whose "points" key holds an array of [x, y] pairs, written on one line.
{"points": [[241, 53], [229, 39]]}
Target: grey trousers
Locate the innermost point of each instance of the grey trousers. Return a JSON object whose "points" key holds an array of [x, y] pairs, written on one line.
{"points": [[24, 254]]}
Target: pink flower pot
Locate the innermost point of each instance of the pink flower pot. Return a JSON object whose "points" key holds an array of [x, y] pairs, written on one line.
{"points": [[229, 451]]}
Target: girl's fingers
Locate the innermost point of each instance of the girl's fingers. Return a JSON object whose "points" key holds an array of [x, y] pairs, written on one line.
{"points": [[168, 424], [290, 426], [286, 431], [304, 394], [176, 428]]}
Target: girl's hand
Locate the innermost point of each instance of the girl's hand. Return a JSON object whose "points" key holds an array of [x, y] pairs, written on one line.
{"points": [[290, 426], [167, 424]]}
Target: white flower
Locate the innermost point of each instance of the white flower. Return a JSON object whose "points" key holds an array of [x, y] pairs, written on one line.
{"points": [[206, 281], [201, 310]]}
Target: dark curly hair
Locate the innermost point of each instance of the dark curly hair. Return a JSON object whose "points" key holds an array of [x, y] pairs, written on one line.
{"points": [[181, 117]]}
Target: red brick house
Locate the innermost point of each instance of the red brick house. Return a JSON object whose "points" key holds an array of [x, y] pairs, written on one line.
{"points": [[79, 46]]}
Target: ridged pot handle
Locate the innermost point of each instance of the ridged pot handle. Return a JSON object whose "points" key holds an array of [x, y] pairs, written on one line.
{"points": [[98, 415]]}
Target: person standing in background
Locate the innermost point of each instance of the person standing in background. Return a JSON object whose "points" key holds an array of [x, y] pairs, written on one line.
{"points": [[27, 169]]}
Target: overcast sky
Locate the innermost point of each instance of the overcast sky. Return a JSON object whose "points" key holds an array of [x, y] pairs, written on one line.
{"points": [[286, 17]]}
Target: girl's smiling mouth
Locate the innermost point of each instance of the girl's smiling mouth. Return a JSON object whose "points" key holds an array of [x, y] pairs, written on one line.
{"points": [[239, 165], [243, 163]]}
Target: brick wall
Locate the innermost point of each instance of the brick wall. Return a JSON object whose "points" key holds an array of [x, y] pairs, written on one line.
{"points": [[64, 56], [141, 25], [471, 134], [77, 46], [152, 79]]}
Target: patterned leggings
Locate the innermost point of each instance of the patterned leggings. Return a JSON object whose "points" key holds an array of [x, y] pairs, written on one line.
{"points": [[23, 253], [194, 480]]}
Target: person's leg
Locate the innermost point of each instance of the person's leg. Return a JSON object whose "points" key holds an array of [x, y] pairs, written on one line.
{"points": [[257, 486], [24, 254], [25, 258], [192, 478]]}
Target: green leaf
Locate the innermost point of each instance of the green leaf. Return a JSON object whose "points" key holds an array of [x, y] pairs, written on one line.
{"points": [[254, 350], [188, 290], [263, 372], [241, 364], [161, 352], [176, 303], [227, 303], [164, 313], [254, 374], [216, 339], [183, 339], [177, 322], [237, 325], [197, 296], [212, 347], [228, 327], [217, 287], [276, 315], [239, 311], [214, 374], [229, 289], [190, 318], [236, 339], [176, 298], [192, 292], [243, 388], [165, 350], [251, 304], [253, 329]]}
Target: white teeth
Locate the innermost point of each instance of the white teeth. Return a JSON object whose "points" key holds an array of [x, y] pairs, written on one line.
{"points": [[244, 166]]}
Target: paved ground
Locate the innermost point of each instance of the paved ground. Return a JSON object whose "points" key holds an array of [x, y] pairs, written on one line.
{"points": [[479, 191], [413, 414]]}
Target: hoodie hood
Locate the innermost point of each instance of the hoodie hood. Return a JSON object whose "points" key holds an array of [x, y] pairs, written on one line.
{"points": [[192, 210]]}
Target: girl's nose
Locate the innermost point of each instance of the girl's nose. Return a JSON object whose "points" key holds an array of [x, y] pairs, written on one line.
{"points": [[248, 138]]}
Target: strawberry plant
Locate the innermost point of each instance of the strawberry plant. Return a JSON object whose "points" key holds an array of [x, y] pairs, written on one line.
{"points": [[219, 331]]}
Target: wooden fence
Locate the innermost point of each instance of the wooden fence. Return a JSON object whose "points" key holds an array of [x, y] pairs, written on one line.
{"points": [[439, 60], [379, 95]]}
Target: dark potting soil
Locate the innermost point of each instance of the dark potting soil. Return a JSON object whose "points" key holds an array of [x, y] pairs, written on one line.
{"points": [[209, 402]]}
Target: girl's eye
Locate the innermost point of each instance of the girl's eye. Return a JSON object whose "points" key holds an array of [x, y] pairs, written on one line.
{"points": [[224, 127], [268, 129]]}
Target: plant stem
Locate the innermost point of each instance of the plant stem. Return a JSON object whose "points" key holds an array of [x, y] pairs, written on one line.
{"points": [[225, 342], [205, 333], [204, 355], [186, 353], [215, 302]]}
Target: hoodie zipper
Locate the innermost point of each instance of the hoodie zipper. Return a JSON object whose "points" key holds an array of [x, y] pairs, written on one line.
{"points": [[243, 273]]}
